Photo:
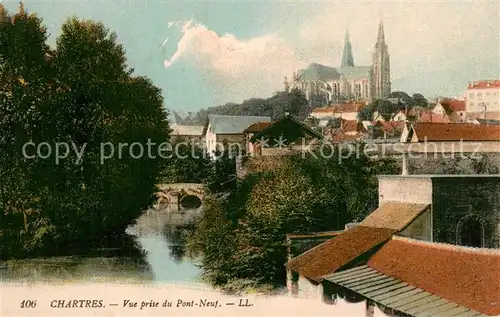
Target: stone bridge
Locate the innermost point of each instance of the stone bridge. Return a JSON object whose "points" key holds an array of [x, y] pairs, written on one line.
{"points": [[186, 195]]}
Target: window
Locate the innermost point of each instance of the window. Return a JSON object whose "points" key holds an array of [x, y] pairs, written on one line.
{"points": [[358, 90], [336, 89]]}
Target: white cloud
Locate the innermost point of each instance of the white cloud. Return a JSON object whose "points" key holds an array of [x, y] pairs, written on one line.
{"points": [[435, 47], [236, 68]]}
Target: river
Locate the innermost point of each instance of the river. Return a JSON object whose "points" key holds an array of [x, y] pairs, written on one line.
{"points": [[154, 253]]}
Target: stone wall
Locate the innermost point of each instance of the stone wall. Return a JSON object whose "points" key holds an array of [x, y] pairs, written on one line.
{"points": [[480, 163], [417, 190], [455, 199]]}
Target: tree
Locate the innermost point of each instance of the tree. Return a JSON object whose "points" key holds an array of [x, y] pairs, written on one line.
{"points": [[403, 97], [384, 107], [190, 165], [83, 95], [367, 112], [241, 238], [294, 102], [419, 100], [24, 74]]}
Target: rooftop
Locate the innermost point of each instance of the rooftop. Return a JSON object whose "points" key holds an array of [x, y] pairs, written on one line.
{"points": [[349, 107], [187, 130], [431, 117], [441, 176], [463, 275], [333, 254], [484, 84], [257, 127], [224, 124], [393, 215], [282, 124], [324, 110], [396, 294], [453, 105], [456, 132]]}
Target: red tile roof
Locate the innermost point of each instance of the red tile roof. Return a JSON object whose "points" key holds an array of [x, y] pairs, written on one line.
{"points": [[341, 137], [454, 105], [323, 110], [388, 126], [484, 84], [429, 116], [456, 132], [257, 127], [466, 276], [331, 255], [350, 107], [352, 126]]}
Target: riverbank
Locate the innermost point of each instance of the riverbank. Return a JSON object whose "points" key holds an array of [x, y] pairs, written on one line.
{"points": [[149, 255]]}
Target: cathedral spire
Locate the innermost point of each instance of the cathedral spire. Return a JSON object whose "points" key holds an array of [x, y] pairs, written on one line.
{"points": [[347, 59], [381, 66], [381, 36]]}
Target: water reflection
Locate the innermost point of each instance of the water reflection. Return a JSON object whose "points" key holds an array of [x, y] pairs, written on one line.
{"points": [[152, 251], [176, 236]]}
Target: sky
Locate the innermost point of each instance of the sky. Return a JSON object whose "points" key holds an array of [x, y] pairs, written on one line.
{"points": [[203, 54]]}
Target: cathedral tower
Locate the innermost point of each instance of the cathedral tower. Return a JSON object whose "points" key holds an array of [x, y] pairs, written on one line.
{"points": [[381, 67], [347, 59]]}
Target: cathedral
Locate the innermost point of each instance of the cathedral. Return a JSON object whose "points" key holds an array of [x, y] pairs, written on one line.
{"points": [[325, 85]]}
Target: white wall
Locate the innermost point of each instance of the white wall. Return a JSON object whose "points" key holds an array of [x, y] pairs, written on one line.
{"points": [[210, 140], [416, 190], [308, 289], [489, 96]]}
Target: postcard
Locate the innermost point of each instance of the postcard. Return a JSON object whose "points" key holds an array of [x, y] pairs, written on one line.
{"points": [[256, 158]]}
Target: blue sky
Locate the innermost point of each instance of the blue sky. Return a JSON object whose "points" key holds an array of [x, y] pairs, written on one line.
{"points": [[219, 52]]}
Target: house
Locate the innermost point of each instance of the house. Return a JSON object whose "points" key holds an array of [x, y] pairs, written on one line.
{"points": [[300, 243], [451, 108], [483, 99], [449, 139], [465, 209], [441, 132], [386, 129], [400, 116], [249, 132], [220, 129], [432, 117], [349, 111], [283, 134], [347, 131], [191, 133], [429, 234], [346, 111], [325, 113], [408, 277]]}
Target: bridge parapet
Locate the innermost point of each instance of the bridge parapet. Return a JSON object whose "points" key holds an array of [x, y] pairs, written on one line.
{"points": [[179, 192]]}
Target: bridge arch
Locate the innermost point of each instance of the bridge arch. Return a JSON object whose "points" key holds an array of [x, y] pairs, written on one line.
{"points": [[190, 202], [184, 195]]}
